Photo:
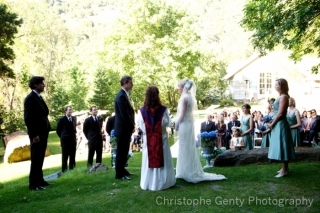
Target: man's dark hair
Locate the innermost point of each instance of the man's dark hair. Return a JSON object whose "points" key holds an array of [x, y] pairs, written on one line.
{"points": [[91, 108], [66, 108], [35, 80], [125, 79]]}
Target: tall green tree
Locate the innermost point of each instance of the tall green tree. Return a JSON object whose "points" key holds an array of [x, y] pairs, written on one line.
{"points": [[106, 86], [156, 44], [293, 24], [78, 89], [9, 23]]}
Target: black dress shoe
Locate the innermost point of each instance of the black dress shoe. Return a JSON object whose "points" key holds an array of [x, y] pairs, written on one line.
{"points": [[45, 183], [124, 178], [36, 188]]}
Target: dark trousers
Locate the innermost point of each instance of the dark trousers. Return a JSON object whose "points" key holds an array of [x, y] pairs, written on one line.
{"points": [[227, 140], [123, 143], [95, 149], [37, 153], [68, 151]]}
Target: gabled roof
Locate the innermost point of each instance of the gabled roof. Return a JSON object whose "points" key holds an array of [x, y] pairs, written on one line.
{"points": [[235, 67], [304, 66]]}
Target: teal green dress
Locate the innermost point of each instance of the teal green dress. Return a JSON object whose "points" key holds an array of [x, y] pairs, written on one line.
{"points": [[266, 137], [266, 140], [245, 125], [281, 144], [292, 120]]}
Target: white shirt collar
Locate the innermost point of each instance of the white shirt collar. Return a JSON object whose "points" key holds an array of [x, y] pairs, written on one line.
{"points": [[36, 92], [125, 91]]}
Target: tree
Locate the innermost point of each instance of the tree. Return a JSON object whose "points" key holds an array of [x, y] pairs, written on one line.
{"points": [[9, 23], [106, 86], [294, 24], [78, 89], [156, 44]]}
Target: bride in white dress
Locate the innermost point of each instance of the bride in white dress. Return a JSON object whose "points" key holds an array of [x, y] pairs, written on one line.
{"points": [[188, 162]]}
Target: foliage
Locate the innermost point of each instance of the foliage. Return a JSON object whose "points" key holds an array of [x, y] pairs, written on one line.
{"points": [[59, 100], [78, 89], [158, 46], [11, 121], [293, 24], [113, 139], [226, 102], [9, 23], [106, 86]]}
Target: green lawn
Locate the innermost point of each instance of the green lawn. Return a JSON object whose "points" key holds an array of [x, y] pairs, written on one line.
{"points": [[247, 189]]}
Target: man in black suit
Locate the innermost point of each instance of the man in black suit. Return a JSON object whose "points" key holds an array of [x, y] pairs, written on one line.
{"points": [[110, 124], [92, 129], [309, 127], [208, 125], [124, 126], [234, 122], [66, 130], [36, 119]]}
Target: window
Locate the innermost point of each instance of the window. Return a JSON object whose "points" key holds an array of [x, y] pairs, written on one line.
{"points": [[265, 82]]}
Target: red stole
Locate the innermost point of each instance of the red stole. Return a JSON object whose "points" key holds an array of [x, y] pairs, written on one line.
{"points": [[153, 121]]}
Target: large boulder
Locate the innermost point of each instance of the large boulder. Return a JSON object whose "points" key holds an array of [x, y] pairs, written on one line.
{"points": [[260, 156], [18, 147]]}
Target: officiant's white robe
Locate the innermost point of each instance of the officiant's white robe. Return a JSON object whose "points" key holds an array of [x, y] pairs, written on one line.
{"points": [[156, 179]]}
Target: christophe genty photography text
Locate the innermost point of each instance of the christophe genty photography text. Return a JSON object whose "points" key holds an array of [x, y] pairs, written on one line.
{"points": [[235, 201]]}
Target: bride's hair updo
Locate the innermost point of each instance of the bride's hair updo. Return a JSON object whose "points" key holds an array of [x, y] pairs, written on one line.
{"points": [[186, 84]]}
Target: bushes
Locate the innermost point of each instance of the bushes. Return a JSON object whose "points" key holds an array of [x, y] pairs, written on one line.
{"points": [[226, 102], [53, 125]]}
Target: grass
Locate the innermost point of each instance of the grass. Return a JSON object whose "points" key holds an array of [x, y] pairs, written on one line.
{"points": [[77, 191]]}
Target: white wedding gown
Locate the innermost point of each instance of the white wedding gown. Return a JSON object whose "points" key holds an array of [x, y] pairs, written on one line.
{"points": [[188, 162]]}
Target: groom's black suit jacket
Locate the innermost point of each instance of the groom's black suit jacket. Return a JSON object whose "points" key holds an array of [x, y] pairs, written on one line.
{"points": [[36, 116], [124, 119]]}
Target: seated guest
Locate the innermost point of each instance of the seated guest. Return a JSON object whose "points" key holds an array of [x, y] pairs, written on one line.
{"points": [[233, 122], [221, 132], [208, 125], [236, 141], [309, 127]]}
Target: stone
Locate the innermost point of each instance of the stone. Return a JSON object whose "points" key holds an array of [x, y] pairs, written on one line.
{"points": [[53, 176], [18, 147], [260, 156], [98, 167]]}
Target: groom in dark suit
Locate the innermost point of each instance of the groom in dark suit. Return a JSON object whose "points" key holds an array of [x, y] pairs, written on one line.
{"points": [[36, 119], [66, 130], [92, 129], [124, 126]]}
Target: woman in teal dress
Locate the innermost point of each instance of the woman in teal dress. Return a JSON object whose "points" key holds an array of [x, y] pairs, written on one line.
{"points": [[294, 120], [281, 144], [247, 126]]}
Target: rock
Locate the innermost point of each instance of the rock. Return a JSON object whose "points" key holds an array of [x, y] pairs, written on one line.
{"points": [[53, 176], [260, 156], [98, 167], [18, 147]]}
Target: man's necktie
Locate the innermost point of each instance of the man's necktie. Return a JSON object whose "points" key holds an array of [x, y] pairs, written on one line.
{"points": [[232, 123], [69, 118]]}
